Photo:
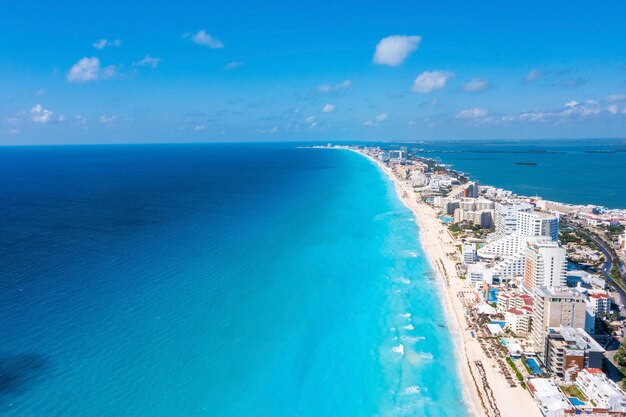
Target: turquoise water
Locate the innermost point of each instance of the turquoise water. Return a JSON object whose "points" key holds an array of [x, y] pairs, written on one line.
{"points": [[576, 402], [214, 280], [492, 295], [534, 366]]}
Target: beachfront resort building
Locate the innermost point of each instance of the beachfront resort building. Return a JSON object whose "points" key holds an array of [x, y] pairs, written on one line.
{"points": [[545, 263], [569, 350], [482, 218], [517, 299], [602, 391], [506, 217], [468, 253], [538, 223], [555, 307], [479, 273], [469, 189], [518, 320], [550, 399], [509, 253]]}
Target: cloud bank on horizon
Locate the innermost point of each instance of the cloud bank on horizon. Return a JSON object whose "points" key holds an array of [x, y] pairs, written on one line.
{"points": [[405, 73]]}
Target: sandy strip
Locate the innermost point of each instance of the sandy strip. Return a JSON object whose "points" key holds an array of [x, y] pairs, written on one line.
{"points": [[485, 389]]}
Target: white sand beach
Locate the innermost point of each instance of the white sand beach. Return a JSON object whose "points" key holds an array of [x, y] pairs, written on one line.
{"points": [[486, 391]]}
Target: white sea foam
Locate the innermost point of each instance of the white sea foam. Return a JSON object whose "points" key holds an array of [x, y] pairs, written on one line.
{"points": [[404, 280], [414, 389], [408, 327], [398, 349], [424, 356], [412, 339], [410, 254], [405, 315], [392, 329]]}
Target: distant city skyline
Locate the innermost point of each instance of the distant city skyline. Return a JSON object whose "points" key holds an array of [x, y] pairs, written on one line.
{"points": [[119, 72]]}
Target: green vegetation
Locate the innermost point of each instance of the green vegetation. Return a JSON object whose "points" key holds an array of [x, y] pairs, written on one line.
{"points": [[615, 274], [518, 374], [576, 236], [613, 231], [574, 391], [620, 360], [454, 227], [530, 372]]}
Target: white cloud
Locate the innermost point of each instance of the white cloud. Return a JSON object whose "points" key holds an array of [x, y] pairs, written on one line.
{"points": [[571, 110], [88, 69], [328, 108], [343, 85], [81, 120], [612, 108], [233, 65], [393, 50], [40, 115], [148, 61], [199, 128], [475, 113], [475, 84], [431, 80], [614, 98], [274, 129], [103, 43], [107, 119], [377, 120], [324, 88], [327, 88], [204, 39], [311, 121], [533, 75]]}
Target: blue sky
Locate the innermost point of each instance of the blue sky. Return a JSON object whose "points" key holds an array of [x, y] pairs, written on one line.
{"points": [[119, 71]]}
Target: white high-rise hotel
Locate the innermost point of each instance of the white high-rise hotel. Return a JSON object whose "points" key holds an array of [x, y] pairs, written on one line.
{"points": [[535, 223], [545, 264], [509, 251]]}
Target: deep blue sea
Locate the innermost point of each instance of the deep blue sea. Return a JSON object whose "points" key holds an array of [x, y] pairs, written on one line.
{"points": [[214, 280]]}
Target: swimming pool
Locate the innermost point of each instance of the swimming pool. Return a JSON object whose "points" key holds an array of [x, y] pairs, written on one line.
{"points": [[534, 366], [493, 295], [503, 341], [499, 323], [576, 402]]}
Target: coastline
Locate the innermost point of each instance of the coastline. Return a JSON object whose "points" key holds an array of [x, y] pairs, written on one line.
{"points": [[485, 390]]}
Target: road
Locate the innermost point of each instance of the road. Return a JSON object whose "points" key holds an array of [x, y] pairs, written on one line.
{"points": [[606, 268]]}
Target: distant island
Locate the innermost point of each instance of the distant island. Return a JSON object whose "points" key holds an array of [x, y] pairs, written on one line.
{"points": [[526, 163]]}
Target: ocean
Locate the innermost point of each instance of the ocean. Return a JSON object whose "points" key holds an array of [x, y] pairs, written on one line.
{"points": [[214, 280], [588, 171]]}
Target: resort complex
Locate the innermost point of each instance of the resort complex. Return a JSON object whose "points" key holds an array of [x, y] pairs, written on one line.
{"points": [[533, 288]]}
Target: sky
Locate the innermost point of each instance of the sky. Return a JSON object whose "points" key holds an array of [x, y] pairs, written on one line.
{"points": [[243, 70]]}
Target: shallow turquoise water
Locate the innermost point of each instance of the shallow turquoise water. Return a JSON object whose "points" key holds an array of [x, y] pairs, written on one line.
{"points": [[217, 280]]}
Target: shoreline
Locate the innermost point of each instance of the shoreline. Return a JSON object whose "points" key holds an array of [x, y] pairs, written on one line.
{"points": [[485, 391]]}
